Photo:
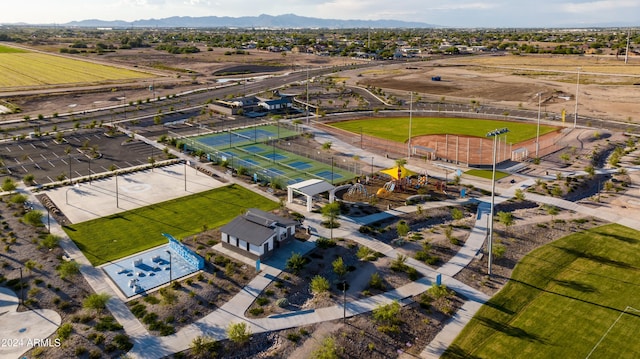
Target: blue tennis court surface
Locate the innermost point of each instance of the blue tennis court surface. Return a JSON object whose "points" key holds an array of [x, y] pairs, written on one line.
{"points": [[275, 156], [253, 149], [300, 165], [328, 175], [294, 181]]}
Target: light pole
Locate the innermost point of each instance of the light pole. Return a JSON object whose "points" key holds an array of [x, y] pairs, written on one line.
{"points": [[361, 138], [332, 170], [538, 127], [410, 119], [307, 96], [575, 119], [66, 193], [21, 288], [170, 267], [117, 199], [185, 176], [494, 134], [344, 301]]}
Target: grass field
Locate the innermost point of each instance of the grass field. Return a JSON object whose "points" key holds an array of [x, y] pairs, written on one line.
{"points": [[11, 50], [22, 68], [397, 129], [487, 174], [109, 238], [561, 301]]}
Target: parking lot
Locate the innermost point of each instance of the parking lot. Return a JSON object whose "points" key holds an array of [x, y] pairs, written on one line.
{"points": [[82, 153]]}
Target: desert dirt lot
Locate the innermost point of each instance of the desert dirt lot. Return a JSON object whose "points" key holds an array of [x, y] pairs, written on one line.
{"points": [[608, 88]]}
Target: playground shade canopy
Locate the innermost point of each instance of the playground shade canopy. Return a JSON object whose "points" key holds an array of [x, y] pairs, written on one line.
{"points": [[398, 172]]}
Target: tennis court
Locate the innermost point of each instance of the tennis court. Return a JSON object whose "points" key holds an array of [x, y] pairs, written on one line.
{"points": [[243, 137], [300, 165]]}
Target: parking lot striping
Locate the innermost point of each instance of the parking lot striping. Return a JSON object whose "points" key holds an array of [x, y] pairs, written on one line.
{"points": [[55, 154], [43, 157], [30, 159], [52, 165], [8, 149], [21, 149], [34, 146]]}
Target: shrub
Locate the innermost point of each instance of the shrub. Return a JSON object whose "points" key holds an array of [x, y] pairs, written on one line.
{"points": [[256, 311], [296, 262], [262, 301], [96, 301], [325, 243], [64, 331], [239, 333], [282, 302], [365, 253], [151, 299], [108, 324], [33, 218], [122, 342], [139, 310], [50, 241], [376, 281], [319, 284], [68, 269]]}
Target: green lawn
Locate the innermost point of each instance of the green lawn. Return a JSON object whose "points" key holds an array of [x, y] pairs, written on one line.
{"points": [[487, 174], [11, 50], [561, 300], [397, 129], [108, 238]]}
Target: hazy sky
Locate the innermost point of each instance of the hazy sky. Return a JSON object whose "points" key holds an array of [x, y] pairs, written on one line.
{"points": [[455, 13]]}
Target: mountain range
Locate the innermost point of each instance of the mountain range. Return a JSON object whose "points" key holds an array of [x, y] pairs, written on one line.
{"points": [[287, 21]]}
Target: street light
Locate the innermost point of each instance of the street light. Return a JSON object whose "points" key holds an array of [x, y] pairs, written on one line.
{"points": [[170, 267], [494, 134], [344, 301], [575, 119], [538, 127]]}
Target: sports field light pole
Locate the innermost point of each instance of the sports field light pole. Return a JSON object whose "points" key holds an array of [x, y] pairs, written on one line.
{"points": [[170, 267], [185, 176], [575, 119], [538, 127], [494, 134], [21, 288], [410, 119]]}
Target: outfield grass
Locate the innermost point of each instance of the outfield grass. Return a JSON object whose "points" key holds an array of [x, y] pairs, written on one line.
{"points": [[22, 68], [488, 174], [397, 129], [109, 238], [561, 300]]}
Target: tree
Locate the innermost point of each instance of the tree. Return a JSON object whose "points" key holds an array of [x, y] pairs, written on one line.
{"points": [[331, 211], [28, 179], [339, 267], [239, 333], [506, 218], [400, 162], [319, 284], [68, 269], [296, 262], [96, 302], [457, 214], [402, 228], [326, 146]]}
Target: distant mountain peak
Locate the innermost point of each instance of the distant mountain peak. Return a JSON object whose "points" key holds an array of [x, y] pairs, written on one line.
{"points": [[262, 21]]}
